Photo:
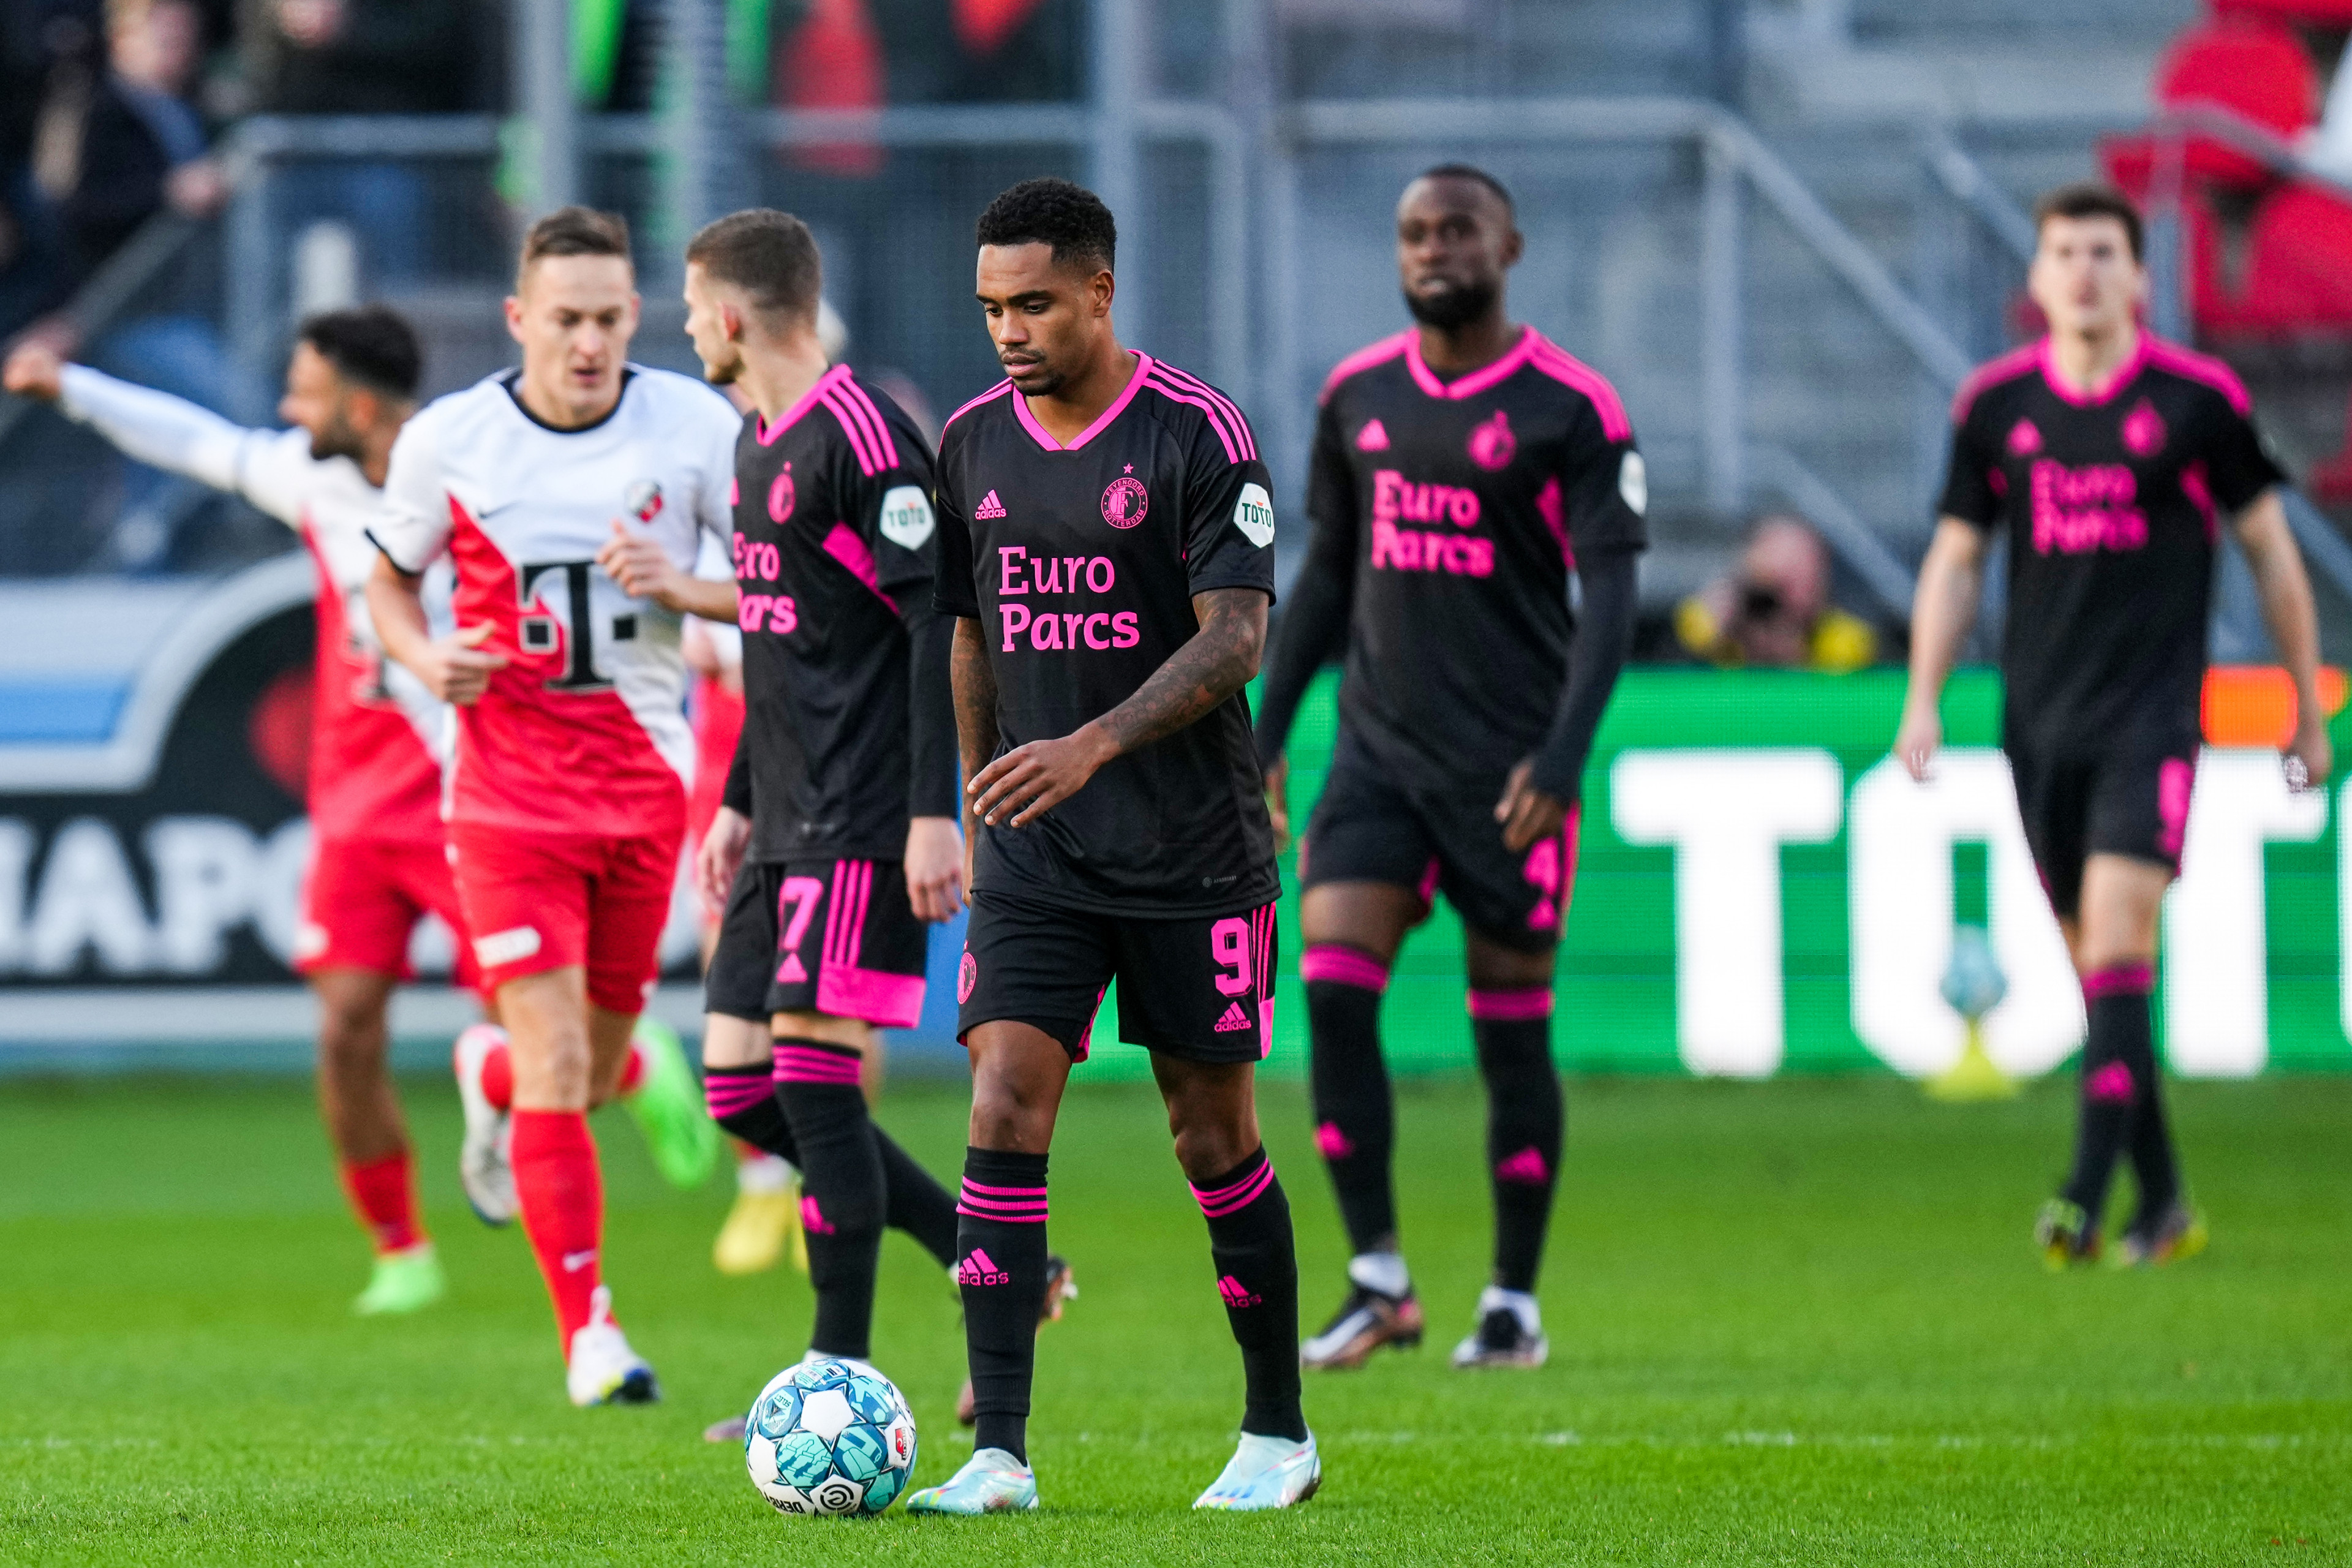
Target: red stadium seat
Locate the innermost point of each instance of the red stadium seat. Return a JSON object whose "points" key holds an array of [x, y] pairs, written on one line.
{"points": [[2246, 64]]}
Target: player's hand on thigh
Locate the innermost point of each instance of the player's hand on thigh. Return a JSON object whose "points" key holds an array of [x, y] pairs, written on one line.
{"points": [[935, 870], [1029, 781], [720, 858], [1526, 812]]}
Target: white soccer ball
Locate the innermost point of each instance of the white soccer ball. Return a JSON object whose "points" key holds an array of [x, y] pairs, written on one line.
{"points": [[831, 1438]]}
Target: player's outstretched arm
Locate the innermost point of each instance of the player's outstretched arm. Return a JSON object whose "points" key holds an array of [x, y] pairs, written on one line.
{"points": [[454, 669], [1536, 795], [2294, 621], [1219, 660], [1943, 609], [167, 432]]}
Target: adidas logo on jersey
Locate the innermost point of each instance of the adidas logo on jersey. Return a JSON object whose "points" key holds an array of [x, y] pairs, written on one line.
{"points": [[989, 506], [1235, 1019], [1372, 437]]}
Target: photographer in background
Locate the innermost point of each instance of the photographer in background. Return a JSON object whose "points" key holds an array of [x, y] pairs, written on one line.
{"points": [[1773, 611]]}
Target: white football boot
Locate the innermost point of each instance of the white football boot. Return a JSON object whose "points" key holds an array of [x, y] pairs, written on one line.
{"points": [[992, 1481], [485, 1163], [602, 1369], [1265, 1472]]}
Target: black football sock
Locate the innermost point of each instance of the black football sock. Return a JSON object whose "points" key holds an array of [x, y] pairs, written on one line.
{"points": [[743, 1101], [1355, 1113], [1000, 1238], [1257, 1275], [1525, 1123], [917, 1203], [2154, 1168], [2121, 1035], [842, 1189]]}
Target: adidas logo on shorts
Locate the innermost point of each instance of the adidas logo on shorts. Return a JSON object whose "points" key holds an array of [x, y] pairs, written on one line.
{"points": [[1235, 1019], [989, 506]]}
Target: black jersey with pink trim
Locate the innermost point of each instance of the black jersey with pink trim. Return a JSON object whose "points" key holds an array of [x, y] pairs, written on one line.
{"points": [[833, 546], [1080, 563], [1454, 511], [2112, 504]]}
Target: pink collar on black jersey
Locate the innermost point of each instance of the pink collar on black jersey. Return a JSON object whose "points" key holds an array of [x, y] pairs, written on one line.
{"points": [[1102, 422], [766, 433], [2119, 378], [1478, 380]]}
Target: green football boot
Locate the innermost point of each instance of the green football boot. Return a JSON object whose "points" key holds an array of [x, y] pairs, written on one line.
{"points": [[403, 1282], [669, 1108]]}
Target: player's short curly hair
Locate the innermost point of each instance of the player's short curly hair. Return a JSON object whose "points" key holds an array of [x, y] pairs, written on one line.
{"points": [[769, 255], [1069, 218], [372, 345], [1476, 175]]}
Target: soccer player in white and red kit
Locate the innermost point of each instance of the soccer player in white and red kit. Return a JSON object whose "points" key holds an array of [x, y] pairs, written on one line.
{"points": [[571, 496], [2109, 459], [377, 862]]}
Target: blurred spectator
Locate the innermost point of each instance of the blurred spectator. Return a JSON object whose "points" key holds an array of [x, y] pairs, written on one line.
{"points": [[107, 143], [1774, 611], [361, 57]]}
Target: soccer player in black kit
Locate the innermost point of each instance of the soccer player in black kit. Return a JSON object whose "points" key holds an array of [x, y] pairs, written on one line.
{"points": [[1106, 544], [838, 839], [1463, 470], [2109, 460]]}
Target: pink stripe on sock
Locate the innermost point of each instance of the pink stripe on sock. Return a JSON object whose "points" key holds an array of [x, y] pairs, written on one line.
{"points": [[803, 1064], [2118, 980], [972, 1186], [725, 1095], [1027, 1208], [1344, 966], [1511, 1006], [1241, 1194]]}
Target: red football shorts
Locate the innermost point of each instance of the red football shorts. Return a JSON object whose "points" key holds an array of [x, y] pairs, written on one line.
{"points": [[537, 901], [361, 898]]}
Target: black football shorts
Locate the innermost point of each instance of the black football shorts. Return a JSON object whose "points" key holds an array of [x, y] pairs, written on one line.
{"points": [[2130, 797], [1197, 986], [1366, 829], [837, 937]]}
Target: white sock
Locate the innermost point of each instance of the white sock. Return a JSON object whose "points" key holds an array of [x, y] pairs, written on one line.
{"points": [[768, 1174], [1381, 1271]]}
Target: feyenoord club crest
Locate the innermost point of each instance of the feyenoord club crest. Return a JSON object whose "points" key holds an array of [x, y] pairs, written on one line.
{"points": [[1124, 502], [1492, 444], [644, 500], [780, 496]]}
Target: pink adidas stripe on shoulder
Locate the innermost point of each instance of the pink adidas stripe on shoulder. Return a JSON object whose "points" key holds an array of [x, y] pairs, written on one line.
{"points": [[859, 414], [1364, 358], [1232, 429], [990, 396], [1991, 374], [1244, 437], [1567, 369], [2203, 368]]}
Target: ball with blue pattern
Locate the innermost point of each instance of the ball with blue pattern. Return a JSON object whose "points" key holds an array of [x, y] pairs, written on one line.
{"points": [[830, 1437]]}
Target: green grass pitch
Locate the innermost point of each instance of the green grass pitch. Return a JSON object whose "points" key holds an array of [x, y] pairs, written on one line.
{"points": [[1796, 1322]]}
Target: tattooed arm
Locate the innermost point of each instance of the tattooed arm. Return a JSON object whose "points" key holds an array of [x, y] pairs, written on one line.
{"points": [[975, 686], [1029, 781]]}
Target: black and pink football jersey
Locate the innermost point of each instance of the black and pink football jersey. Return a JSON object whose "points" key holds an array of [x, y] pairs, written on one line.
{"points": [[834, 540], [1080, 563], [2112, 503], [1455, 511]]}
